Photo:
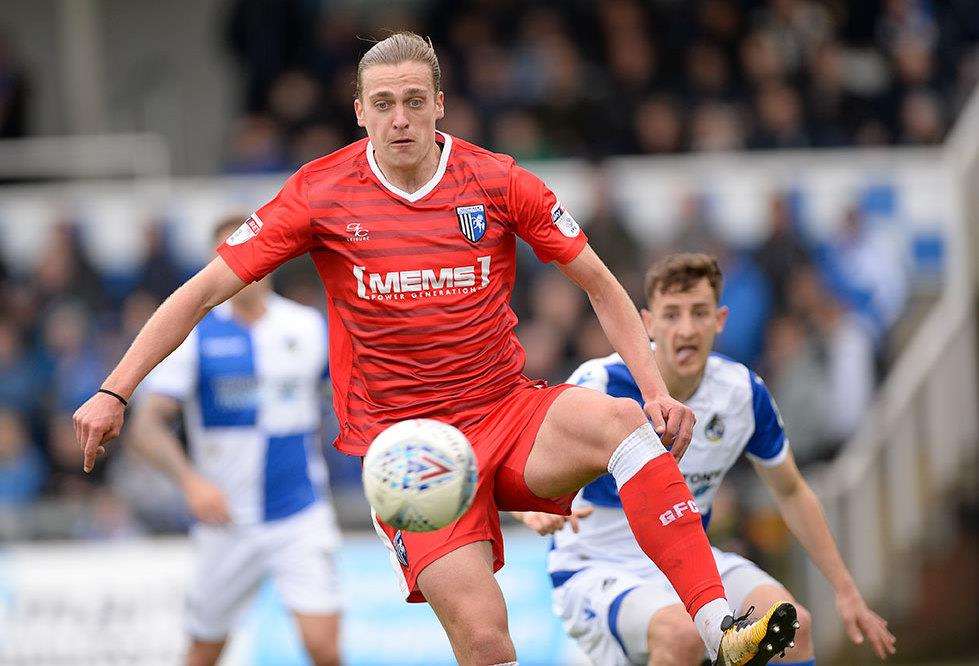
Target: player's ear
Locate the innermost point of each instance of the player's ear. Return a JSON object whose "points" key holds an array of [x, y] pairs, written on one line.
{"points": [[722, 313], [359, 112], [647, 321], [439, 105]]}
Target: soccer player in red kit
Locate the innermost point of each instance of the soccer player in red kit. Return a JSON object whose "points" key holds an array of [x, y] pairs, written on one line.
{"points": [[413, 233]]}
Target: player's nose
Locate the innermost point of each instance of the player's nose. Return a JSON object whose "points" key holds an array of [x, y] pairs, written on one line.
{"points": [[400, 118]]}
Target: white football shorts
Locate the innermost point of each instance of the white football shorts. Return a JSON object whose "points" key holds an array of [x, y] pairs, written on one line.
{"points": [[232, 561], [607, 610]]}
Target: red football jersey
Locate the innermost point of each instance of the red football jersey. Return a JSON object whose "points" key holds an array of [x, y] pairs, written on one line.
{"points": [[418, 285]]}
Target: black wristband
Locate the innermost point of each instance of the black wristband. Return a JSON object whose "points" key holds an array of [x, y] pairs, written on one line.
{"points": [[115, 395]]}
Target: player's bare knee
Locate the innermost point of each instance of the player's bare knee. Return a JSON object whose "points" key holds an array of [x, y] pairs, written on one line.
{"points": [[803, 635], [487, 645], [672, 638], [621, 417]]}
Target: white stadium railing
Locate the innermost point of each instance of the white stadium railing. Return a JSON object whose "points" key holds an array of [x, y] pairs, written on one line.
{"points": [[884, 493]]}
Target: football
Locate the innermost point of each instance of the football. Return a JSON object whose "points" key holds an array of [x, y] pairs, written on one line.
{"points": [[420, 475]]}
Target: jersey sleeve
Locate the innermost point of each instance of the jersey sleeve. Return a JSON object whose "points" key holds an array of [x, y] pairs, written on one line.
{"points": [[540, 219], [768, 445], [176, 375], [275, 233]]}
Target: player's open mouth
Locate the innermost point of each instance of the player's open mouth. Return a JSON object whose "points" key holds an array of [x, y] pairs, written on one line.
{"points": [[685, 353], [402, 142]]}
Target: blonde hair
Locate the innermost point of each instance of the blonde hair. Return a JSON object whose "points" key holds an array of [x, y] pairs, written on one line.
{"points": [[398, 48]]}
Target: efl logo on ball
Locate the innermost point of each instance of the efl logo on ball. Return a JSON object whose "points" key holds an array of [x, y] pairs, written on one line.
{"points": [[420, 475]]}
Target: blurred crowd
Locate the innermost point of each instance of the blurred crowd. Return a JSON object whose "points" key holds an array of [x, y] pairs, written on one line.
{"points": [[813, 318], [592, 78]]}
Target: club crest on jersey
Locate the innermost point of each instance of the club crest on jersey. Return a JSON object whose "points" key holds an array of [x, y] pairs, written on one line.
{"points": [[715, 428], [472, 221]]}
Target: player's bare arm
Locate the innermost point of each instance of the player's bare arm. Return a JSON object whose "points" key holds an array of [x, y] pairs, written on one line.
{"points": [[803, 514], [620, 320], [153, 438], [100, 419]]}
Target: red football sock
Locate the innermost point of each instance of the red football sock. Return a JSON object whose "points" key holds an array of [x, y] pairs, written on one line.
{"points": [[666, 522]]}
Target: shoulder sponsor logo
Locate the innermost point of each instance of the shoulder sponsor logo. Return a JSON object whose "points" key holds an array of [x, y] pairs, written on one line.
{"points": [[422, 283], [564, 221], [357, 233], [248, 230]]}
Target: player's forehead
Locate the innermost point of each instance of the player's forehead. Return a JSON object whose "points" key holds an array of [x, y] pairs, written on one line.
{"points": [[398, 80], [697, 294]]}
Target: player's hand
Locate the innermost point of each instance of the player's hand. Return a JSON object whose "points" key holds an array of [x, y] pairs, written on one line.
{"points": [[673, 422], [206, 501], [97, 422], [861, 624], [549, 523]]}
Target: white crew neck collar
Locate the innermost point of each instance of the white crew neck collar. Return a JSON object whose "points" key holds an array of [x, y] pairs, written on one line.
{"points": [[424, 189]]}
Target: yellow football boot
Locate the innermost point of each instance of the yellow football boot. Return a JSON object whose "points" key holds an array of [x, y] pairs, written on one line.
{"points": [[751, 643]]}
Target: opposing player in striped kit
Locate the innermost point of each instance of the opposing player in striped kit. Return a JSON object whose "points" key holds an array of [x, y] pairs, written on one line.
{"points": [[614, 602], [248, 380], [413, 233]]}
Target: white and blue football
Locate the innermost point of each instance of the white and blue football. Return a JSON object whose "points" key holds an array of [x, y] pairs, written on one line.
{"points": [[420, 475]]}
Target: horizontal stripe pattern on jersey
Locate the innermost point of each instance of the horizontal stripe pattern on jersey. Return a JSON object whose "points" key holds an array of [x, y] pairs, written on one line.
{"points": [[418, 285]]}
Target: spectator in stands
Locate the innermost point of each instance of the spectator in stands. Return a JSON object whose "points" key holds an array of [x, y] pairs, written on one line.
{"points": [[716, 127], [159, 274], [72, 368], [796, 374], [921, 119], [313, 141], [658, 126], [785, 249], [848, 347], [63, 269], [779, 118], [519, 133], [256, 147], [864, 266], [19, 388], [22, 469]]}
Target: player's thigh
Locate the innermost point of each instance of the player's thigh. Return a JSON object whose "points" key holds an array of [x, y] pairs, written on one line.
{"points": [[228, 570], [299, 550], [607, 612], [578, 434], [464, 594], [672, 638]]}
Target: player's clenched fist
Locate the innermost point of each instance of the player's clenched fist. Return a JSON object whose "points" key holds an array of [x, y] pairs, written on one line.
{"points": [[673, 422], [97, 422]]}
